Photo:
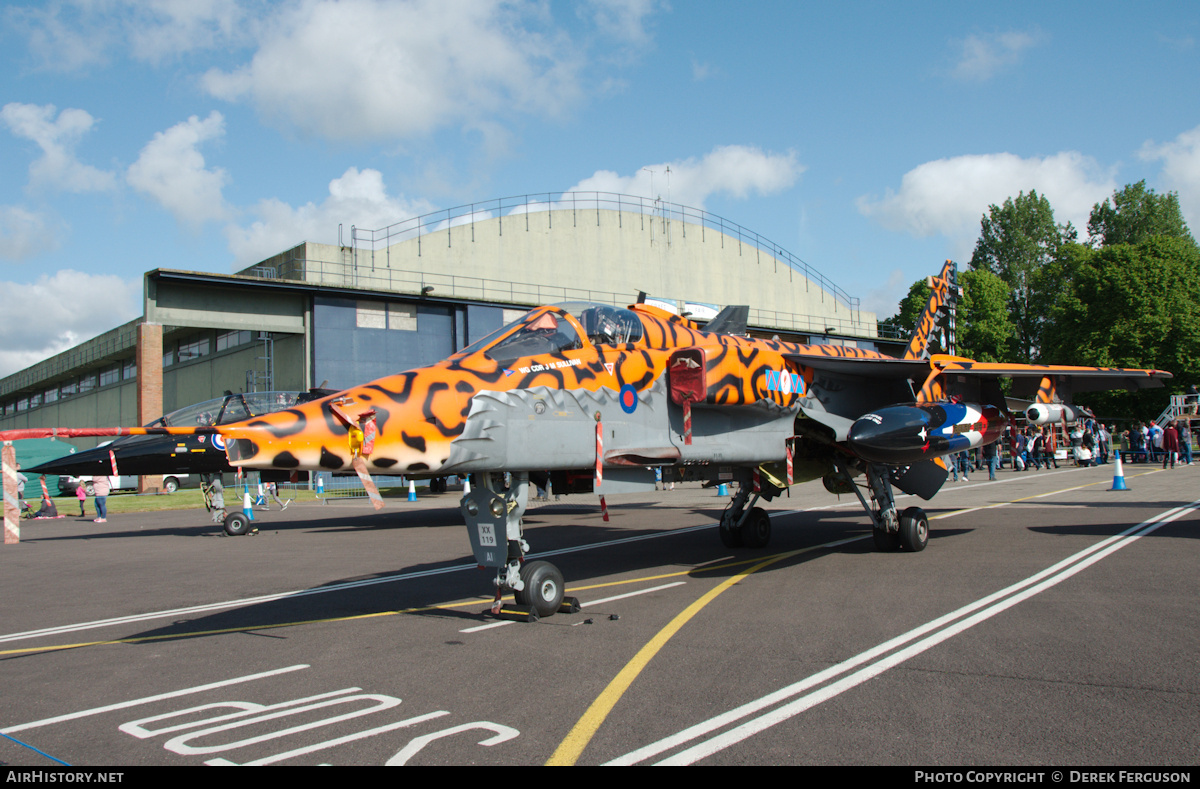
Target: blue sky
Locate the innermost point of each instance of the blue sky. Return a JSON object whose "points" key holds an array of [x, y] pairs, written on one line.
{"points": [[866, 138]]}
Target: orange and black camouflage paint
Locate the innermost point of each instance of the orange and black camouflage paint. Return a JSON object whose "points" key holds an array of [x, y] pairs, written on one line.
{"points": [[420, 412]]}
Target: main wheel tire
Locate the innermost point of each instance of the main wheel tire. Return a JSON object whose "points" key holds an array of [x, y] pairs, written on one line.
{"points": [[914, 529], [885, 541], [756, 531], [237, 524], [544, 587], [170, 484]]}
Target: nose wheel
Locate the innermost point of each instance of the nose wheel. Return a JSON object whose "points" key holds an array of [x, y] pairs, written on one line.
{"points": [[544, 587]]}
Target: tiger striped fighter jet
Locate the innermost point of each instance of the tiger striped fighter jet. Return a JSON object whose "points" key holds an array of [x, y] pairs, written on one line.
{"points": [[598, 396]]}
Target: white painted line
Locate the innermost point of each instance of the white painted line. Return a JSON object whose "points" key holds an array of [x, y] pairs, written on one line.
{"points": [[990, 605], [279, 757], [148, 699], [176, 613], [491, 625], [631, 594]]}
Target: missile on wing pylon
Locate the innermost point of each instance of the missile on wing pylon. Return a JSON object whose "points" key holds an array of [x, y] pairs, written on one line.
{"points": [[906, 434]]}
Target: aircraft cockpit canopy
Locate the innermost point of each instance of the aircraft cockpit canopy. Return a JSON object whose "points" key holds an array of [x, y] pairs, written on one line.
{"points": [[230, 408], [605, 325], [547, 330]]}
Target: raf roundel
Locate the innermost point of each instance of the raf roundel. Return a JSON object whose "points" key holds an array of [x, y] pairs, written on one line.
{"points": [[628, 398], [218, 441]]}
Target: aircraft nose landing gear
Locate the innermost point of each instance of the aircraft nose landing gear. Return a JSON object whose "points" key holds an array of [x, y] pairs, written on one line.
{"points": [[493, 515]]}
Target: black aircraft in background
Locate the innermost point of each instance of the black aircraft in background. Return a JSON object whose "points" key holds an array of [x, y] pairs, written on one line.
{"points": [[167, 455]]}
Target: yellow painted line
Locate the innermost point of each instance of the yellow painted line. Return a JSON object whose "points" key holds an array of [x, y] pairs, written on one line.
{"points": [[298, 623], [571, 748]]}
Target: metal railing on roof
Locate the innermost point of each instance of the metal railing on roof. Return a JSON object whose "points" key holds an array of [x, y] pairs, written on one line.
{"points": [[580, 204]]}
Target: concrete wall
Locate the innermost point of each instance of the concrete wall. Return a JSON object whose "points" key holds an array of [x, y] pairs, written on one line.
{"points": [[596, 255]]}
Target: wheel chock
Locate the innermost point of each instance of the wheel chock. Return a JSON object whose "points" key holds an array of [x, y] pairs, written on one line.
{"points": [[517, 613], [569, 605]]}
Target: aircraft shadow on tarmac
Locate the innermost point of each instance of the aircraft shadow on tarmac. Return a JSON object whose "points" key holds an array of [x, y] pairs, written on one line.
{"points": [[373, 595]]}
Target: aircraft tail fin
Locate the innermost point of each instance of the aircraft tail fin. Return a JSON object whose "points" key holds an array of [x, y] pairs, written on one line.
{"points": [[943, 298], [731, 320]]}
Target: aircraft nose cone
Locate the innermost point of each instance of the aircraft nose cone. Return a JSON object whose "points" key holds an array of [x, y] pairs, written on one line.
{"points": [[895, 435]]}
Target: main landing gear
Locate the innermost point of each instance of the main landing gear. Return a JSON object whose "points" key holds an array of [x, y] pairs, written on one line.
{"points": [[908, 529], [493, 511]]}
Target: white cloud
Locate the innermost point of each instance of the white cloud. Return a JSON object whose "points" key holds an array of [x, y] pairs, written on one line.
{"points": [[982, 57], [1181, 171], [62, 36], [57, 168], [884, 299], [171, 170], [357, 198], [362, 69], [24, 233], [69, 35], [59, 311], [948, 197], [621, 19], [162, 29], [736, 170]]}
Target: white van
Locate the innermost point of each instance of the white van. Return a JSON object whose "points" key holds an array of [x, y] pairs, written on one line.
{"points": [[171, 483]]}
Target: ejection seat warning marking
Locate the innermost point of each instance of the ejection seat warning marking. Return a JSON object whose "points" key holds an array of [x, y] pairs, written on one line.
{"points": [[541, 368]]}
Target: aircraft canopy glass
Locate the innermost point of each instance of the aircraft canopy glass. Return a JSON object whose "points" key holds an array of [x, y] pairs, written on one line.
{"points": [[230, 408], [544, 330]]}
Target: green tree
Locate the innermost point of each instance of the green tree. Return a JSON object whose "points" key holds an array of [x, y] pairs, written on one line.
{"points": [[1016, 243], [985, 330], [1135, 215], [909, 313], [1129, 306]]}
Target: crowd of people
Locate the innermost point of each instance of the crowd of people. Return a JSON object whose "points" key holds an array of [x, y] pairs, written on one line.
{"points": [[1089, 443]]}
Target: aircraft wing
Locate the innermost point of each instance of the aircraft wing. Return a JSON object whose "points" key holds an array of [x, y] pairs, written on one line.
{"points": [[1027, 377]]}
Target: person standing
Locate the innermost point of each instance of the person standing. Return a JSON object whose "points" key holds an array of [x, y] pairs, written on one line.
{"points": [[1185, 442], [991, 458], [273, 489], [1049, 446], [1170, 444], [21, 480], [100, 487], [81, 494]]}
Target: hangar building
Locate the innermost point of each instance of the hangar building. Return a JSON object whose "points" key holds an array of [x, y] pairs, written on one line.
{"points": [[413, 293]]}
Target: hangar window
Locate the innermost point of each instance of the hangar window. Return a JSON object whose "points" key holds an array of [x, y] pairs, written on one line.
{"points": [[87, 383], [194, 349], [50, 395], [35, 400], [232, 339], [110, 375], [402, 317], [371, 315], [168, 358], [69, 388], [130, 370]]}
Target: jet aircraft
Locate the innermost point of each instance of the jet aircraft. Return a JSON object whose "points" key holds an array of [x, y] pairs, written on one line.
{"points": [[596, 395], [177, 454]]}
